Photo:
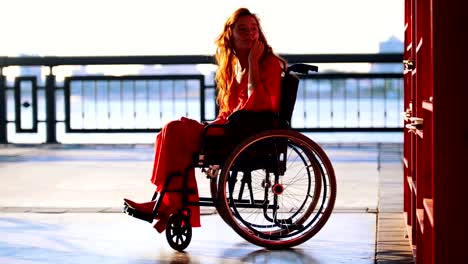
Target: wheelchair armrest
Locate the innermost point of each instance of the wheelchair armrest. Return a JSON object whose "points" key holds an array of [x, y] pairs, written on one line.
{"points": [[240, 125], [205, 132], [208, 127], [244, 116], [265, 119], [241, 117]]}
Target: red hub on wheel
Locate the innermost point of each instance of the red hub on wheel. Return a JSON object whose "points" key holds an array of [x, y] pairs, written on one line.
{"points": [[277, 189]]}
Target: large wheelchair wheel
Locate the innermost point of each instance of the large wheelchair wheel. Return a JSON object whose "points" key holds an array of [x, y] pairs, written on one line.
{"points": [[276, 189]]}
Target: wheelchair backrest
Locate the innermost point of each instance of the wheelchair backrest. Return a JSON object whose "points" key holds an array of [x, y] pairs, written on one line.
{"points": [[289, 87]]}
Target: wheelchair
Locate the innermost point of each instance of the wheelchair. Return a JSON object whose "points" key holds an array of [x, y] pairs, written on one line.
{"points": [[273, 186]]}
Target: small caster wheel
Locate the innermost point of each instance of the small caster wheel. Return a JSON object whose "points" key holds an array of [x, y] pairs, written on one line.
{"points": [[178, 231]]}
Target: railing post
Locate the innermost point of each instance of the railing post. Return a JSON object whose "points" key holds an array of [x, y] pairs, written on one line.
{"points": [[50, 104], [3, 109]]}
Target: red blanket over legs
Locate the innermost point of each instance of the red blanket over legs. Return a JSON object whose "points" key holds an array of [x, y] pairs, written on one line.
{"points": [[175, 146]]}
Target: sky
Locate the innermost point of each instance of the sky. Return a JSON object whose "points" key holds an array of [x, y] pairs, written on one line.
{"points": [[183, 27]]}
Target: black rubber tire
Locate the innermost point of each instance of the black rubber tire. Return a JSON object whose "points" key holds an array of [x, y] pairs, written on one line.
{"points": [[179, 231]]}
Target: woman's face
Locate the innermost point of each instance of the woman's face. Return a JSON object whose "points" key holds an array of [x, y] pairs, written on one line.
{"points": [[245, 33]]}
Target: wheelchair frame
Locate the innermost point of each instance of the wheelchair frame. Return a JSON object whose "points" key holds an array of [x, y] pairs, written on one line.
{"points": [[271, 154]]}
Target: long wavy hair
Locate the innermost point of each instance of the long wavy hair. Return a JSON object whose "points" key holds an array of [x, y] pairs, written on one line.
{"points": [[226, 58]]}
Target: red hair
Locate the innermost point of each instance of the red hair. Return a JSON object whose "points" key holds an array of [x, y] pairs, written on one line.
{"points": [[225, 55]]}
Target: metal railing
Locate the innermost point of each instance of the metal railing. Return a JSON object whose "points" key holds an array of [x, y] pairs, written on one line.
{"points": [[330, 101]]}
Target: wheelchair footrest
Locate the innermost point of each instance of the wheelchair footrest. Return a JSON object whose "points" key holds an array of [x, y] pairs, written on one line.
{"points": [[137, 214]]}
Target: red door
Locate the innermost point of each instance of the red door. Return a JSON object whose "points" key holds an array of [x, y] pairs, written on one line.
{"points": [[418, 139]]}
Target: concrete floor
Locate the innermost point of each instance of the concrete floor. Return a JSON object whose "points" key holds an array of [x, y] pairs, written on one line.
{"points": [[62, 204]]}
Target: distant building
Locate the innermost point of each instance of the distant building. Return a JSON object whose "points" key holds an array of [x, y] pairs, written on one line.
{"points": [[35, 71], [148, 70], [169, 69], [83, 70], [392, 45], [80, 71]]}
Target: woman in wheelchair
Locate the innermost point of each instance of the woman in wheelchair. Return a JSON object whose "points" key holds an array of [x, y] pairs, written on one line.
{"points": [[248, 78]]}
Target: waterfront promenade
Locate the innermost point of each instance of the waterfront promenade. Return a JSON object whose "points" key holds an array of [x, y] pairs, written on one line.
{"points": [[62, 204]]}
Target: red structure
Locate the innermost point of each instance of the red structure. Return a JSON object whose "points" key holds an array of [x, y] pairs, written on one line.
{"points": [[436, 129]]}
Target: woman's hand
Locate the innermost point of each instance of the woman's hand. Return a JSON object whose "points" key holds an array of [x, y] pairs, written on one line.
{"points": [[256, 52], [254, 57]]}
